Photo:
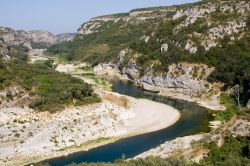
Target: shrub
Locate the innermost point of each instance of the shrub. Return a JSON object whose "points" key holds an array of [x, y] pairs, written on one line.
{"points": [[231, 108], [235, 151]]}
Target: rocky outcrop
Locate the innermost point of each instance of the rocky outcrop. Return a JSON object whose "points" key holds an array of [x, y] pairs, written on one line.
{"points": [[186, 76], [4, 51], [240, 127], [63, 37], [204, 15], [39, 36], [192, 27], [109, 68], [248, 105], [170, 148], [35, 134], [12, 37], [186, 147], [164, 48]]}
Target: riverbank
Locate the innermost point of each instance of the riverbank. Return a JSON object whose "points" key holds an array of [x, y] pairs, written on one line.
{"points": [[150, 116], [211, 101], [177, 146], [32, 136]]}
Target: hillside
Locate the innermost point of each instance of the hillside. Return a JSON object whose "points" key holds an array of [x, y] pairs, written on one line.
{"points": [[30, 38], [37, 86], [186, 48], [63, 37], [56, 97]]}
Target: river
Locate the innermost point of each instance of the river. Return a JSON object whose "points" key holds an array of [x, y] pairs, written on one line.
{"points": [[194, 119]]}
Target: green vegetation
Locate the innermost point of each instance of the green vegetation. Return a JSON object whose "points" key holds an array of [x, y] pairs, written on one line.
{"points": [[230, 58], [149, 161], [100, 82], [218, 15], [39, 45], [232, 63], [48, 89], [231, 108], [51, 90], [102, 46], [19, 53], [235, 151]]}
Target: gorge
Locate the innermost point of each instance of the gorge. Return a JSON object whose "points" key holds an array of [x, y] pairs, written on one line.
{"points": [[164, 85]]}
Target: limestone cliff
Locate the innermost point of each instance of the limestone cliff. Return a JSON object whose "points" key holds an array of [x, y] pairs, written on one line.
{"points": [[63, 37], [29, 39], [168, 47], [188, 77], [205, 22], [12, 37]]}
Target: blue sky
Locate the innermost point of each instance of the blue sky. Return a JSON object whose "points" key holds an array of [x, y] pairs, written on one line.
{"points": [[58, 16]]}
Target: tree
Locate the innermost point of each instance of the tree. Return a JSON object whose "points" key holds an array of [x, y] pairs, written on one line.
{"points": [[237, 90]]}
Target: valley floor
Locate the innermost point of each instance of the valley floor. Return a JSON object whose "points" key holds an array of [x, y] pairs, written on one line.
{"points": [[28, 136]]}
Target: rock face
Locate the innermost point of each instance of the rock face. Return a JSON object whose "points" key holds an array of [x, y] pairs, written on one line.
{"points": [[12, 37], [186, 76], [63, 37], [182, 75], [45, 133], [4, 51], [39, 36], [164, 48], [190, 28], [202, 15]]}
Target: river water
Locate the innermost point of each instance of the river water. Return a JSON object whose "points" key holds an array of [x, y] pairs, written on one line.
{"points": [[194, 119]]}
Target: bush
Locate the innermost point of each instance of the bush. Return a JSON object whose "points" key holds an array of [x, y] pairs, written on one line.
{"points": [[235, 151], [231, 108]]}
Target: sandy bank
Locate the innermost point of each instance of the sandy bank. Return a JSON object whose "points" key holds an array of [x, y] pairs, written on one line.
{"points": [[59, 134], [150, 116]]}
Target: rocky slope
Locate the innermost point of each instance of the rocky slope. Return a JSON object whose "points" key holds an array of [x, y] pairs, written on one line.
{"points": [[29, 39], [63, 37], [187, 76], [172, 47], [28, 136], [185, 81], [12, 37], [4, 51], [191, 148], [210, 21]]}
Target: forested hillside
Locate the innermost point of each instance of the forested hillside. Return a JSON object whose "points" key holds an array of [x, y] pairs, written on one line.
{"points": [[212, 32], [37, 85]]}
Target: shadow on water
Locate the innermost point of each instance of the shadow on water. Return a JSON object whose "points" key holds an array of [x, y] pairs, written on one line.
{"points": [[194, 119]]}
